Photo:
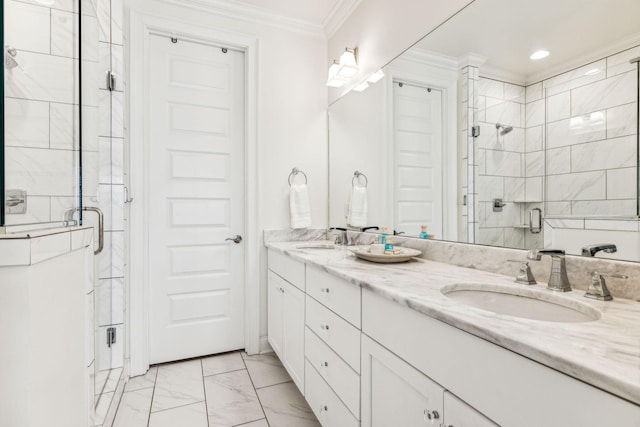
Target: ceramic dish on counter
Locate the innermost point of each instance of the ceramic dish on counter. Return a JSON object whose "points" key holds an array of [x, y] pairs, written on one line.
{"points": [[405, 254]]}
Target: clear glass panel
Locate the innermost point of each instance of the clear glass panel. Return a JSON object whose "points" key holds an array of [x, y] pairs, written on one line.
{"points": [[41, 111]]}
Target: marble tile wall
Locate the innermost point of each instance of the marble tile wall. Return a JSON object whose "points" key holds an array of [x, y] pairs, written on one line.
{"points": [[501, 163], [467, 159], [591, 124]]}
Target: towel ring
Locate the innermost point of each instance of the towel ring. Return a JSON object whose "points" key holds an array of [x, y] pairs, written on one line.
{"points": [[294, 172], [357, 175]]}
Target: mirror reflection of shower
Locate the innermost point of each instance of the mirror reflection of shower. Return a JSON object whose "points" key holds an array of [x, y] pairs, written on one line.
{"points": [[10, 57], [505, 129], [502, 130]]}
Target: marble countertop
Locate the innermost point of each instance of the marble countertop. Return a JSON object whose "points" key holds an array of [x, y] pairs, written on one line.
{"points": [[604, 353]]}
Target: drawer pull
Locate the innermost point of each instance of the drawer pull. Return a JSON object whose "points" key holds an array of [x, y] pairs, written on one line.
{"points": [[431, 416], [281, 290], [324, 327], [325, 290], [325, 364]]}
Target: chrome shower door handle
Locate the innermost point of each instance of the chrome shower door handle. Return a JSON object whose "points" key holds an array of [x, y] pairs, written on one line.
{"points": [[100, 227], [235, 239], [538, 229]]}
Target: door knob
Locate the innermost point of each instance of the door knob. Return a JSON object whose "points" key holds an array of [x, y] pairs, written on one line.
{"points": [[235, 239]]}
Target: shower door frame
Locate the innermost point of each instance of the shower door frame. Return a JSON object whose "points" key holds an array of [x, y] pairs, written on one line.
{"points": [[141, 26]]}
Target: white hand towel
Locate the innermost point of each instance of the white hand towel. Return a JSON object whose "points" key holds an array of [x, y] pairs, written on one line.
{"points": [[299, 206], [358, 209]]}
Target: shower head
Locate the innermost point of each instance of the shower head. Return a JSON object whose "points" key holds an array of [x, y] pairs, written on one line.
{"points": [[505, 129], [10, 57]]}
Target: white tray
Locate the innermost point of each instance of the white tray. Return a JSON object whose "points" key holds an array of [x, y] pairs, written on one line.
{"points": [[405, 255]]}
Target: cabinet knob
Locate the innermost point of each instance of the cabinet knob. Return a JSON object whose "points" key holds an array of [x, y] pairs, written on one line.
{"points": [[325, 364], [324, 327], [431, 416], [325, 290], [323, 408], [281, 290]]}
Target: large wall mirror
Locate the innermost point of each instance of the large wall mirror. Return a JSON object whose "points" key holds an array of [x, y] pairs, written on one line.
{"points": [[470, 137]]}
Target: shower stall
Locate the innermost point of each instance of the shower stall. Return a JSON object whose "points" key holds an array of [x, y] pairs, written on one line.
{"points": [[56, 148]]}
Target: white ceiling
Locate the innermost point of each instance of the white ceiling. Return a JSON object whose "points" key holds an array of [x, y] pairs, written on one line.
{"points": [[312, 11], [508, 31]]}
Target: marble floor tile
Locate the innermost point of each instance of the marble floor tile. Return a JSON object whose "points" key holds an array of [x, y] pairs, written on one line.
{"points": [[266, 370], [231, 399], [284, 406], [178, 384], [260, 423], [190, 415], [103, 406], [147, 380], [222, 363], [134, 409]]}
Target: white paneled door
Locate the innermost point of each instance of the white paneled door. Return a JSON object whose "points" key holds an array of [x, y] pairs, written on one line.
{"points": [[196, 199], [417, 159]]}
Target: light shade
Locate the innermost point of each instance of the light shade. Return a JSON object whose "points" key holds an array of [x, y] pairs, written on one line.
{"points": [[539, 54], [348, 63], [375, 77], [334, 80], [362, 86]]}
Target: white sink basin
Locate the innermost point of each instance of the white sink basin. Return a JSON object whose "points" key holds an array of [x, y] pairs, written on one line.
{"points": [[536, 304], [316, 246]]}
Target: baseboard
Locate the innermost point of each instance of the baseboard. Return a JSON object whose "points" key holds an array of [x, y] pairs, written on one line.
{"points": [[265, 347]]}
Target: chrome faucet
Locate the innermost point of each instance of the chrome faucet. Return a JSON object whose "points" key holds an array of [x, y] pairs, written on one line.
{"points": [[598, 287], [592, 250], [558, 280]]}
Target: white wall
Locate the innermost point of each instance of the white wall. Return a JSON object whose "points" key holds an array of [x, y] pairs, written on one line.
{"points": [[291, 111], [383, 29]]}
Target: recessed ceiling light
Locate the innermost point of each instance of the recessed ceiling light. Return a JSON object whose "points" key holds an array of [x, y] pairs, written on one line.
{"points": [[539, 54], [592, 71]]}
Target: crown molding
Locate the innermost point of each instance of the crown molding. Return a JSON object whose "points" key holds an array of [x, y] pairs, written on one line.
{"points": [[430, 58], [253, 15], [340, 12]]}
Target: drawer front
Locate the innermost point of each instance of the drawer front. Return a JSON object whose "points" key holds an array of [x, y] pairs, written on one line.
{"points": [[287, 268], [324, 403], [337, 333], [339, 295], [343, 380]]}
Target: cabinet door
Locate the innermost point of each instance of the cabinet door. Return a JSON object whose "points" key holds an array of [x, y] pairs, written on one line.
{"points": [[293, 354], [459, 414], [394, 393], [275, 312]]}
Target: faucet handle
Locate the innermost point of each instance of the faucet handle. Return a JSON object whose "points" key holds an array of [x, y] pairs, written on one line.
{"points": [[598, 286], [524, 276]]}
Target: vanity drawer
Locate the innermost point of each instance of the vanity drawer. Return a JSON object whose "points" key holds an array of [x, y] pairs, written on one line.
{"points": [[335, 371], [336, 332], [287, 268], [339, 295], [324, 403]]}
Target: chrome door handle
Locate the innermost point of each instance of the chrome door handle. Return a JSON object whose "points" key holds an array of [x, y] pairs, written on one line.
{"points": [[68, 220], [235, 239]]}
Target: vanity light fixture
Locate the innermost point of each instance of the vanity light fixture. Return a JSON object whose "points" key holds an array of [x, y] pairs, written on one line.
{"points": [[375, 77], [334, 80], [348, 63], [361, 87], [539, 54]]}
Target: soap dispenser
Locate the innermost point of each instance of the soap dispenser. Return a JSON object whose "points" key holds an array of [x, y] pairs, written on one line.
{"points": [[423, 232]]}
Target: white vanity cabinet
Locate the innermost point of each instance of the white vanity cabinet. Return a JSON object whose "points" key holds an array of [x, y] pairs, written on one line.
{"points": [[332, 348], [395, 393], [509, 389], [286, 307]]}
